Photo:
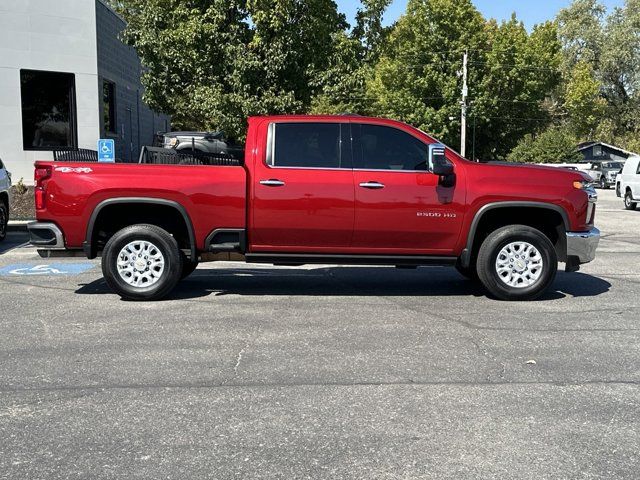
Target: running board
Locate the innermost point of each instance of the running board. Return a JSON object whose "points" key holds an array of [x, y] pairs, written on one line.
{"points": [[311, 258]]}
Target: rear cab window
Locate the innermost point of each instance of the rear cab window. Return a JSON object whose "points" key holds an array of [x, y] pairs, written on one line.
{"points": [[315, 145], [379, 147]]}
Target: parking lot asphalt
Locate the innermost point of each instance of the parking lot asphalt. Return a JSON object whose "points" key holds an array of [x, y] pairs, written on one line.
{"points": [[321, 372]]}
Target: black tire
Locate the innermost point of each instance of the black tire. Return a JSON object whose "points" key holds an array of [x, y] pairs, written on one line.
{"points": [[158, 238], [491, 248], [629, 204], [618, 193], [470, 272], [188, 267], [4, 220]]}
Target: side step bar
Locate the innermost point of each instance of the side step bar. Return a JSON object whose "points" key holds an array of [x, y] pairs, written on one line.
{"points": [[311, 258]]}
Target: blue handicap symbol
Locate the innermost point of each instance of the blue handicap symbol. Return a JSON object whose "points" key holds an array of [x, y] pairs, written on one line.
{"points": [[106, 150], [50, 269]]}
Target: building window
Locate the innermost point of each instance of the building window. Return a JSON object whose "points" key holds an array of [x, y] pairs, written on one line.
{"points": [[109, 107], [48, 110], [597, 150]]}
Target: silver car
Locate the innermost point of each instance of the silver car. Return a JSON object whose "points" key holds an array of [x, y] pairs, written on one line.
{"points": [[5, 185]]}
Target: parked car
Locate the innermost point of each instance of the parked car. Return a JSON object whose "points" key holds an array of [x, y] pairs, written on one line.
{"points": [[204, 142], [604, 173], [628, 183], [5, 186], [322, 190]]}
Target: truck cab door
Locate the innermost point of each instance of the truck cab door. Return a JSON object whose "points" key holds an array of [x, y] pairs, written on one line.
{"points": [[302, 189], [401, 207]]}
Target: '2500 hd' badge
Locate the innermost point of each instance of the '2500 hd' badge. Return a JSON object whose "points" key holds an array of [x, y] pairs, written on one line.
{"points": [[436, 214]]}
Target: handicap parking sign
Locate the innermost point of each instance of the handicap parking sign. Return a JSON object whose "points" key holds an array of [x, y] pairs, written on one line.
{"points": [[106, 150]]}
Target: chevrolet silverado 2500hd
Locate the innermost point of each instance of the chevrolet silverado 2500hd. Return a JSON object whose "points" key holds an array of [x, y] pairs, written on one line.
{"points": [[324, 190]]}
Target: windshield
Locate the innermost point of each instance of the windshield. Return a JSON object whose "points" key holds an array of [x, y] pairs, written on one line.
{"points": [[612, 165]]}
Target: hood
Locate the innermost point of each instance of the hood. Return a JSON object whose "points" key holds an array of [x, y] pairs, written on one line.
{"points": [[529, 170]]}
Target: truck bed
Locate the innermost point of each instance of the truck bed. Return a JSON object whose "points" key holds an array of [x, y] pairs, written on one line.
{"points": [[213, 196]]}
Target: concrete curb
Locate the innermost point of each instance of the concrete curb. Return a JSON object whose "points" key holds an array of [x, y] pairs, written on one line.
{"points": [[18, 225]]}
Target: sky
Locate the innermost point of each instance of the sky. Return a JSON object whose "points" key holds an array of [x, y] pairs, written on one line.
{"points": [[529, 11]]}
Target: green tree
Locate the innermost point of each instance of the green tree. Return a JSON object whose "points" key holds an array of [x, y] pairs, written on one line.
{"points": [[416, 78], [511, 72], [342, 86], [611, 47], [520, 72], [212, 63], [294, 40], [580, 27], [583, 101], [554, 145], [620, 66]]}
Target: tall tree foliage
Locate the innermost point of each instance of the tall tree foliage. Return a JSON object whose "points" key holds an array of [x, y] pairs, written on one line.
{"points": [[416, 78], [342, 87], [610, 47], [211, 63], [519, 73], [510, 73]]}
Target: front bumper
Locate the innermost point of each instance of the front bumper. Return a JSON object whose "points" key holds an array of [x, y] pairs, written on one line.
{"points": [[46, 235], [581, 247]]}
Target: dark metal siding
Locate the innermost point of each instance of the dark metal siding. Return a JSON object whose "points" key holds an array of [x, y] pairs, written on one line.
{"points": [[119, 63]]}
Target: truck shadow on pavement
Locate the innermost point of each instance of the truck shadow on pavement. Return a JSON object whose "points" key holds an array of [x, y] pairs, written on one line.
{"points": [[350, 281]]}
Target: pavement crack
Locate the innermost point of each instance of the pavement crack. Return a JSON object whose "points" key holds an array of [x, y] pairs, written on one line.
{"points": [[240, 355]]}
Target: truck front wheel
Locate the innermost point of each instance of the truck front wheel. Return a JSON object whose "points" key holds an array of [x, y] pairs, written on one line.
{"points": [[4, 220], [142, 262], [517, 262], [629, 203]]}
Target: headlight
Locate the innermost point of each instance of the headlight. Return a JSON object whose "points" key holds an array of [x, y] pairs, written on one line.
{"points": [[170, 142], [588, 188]]}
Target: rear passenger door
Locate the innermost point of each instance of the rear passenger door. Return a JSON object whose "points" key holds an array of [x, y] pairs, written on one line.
{"points": [[303, 198]]}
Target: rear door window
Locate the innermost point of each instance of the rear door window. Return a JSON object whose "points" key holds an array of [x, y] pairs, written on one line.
{"points": [[378, 147], [308, 145]]}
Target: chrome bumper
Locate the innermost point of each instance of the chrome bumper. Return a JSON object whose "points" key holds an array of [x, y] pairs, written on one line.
{"points": [[46, 235], [581, 246]]}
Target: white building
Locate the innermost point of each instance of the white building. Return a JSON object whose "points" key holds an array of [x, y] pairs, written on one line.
{"points": [[66, 80]]}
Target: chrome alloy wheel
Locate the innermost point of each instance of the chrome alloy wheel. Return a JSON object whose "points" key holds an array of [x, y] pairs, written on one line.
{"points": [[140, 263], [519, 264]]}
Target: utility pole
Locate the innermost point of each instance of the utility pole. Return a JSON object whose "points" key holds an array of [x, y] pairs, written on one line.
{"points": [[465, 93]]}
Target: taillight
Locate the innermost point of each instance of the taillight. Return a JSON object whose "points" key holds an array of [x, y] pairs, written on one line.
{"points": [[39, 196], [41, 174]]}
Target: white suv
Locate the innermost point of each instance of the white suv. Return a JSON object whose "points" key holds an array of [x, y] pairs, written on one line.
{"points": [[628, 183], [5, 184]]}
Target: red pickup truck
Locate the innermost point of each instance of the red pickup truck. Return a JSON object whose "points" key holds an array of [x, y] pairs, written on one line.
{"points": [[322, 190]]}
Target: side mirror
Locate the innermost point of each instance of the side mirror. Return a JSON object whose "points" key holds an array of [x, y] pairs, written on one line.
{"points": [[438, 163]]}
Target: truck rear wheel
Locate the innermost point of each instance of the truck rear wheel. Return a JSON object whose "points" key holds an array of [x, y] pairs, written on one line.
{"points": [[142, 262], [517, 262]]}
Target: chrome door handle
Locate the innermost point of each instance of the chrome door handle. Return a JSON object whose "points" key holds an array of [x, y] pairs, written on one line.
{"points": [[272, 183], [372, 185]]}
